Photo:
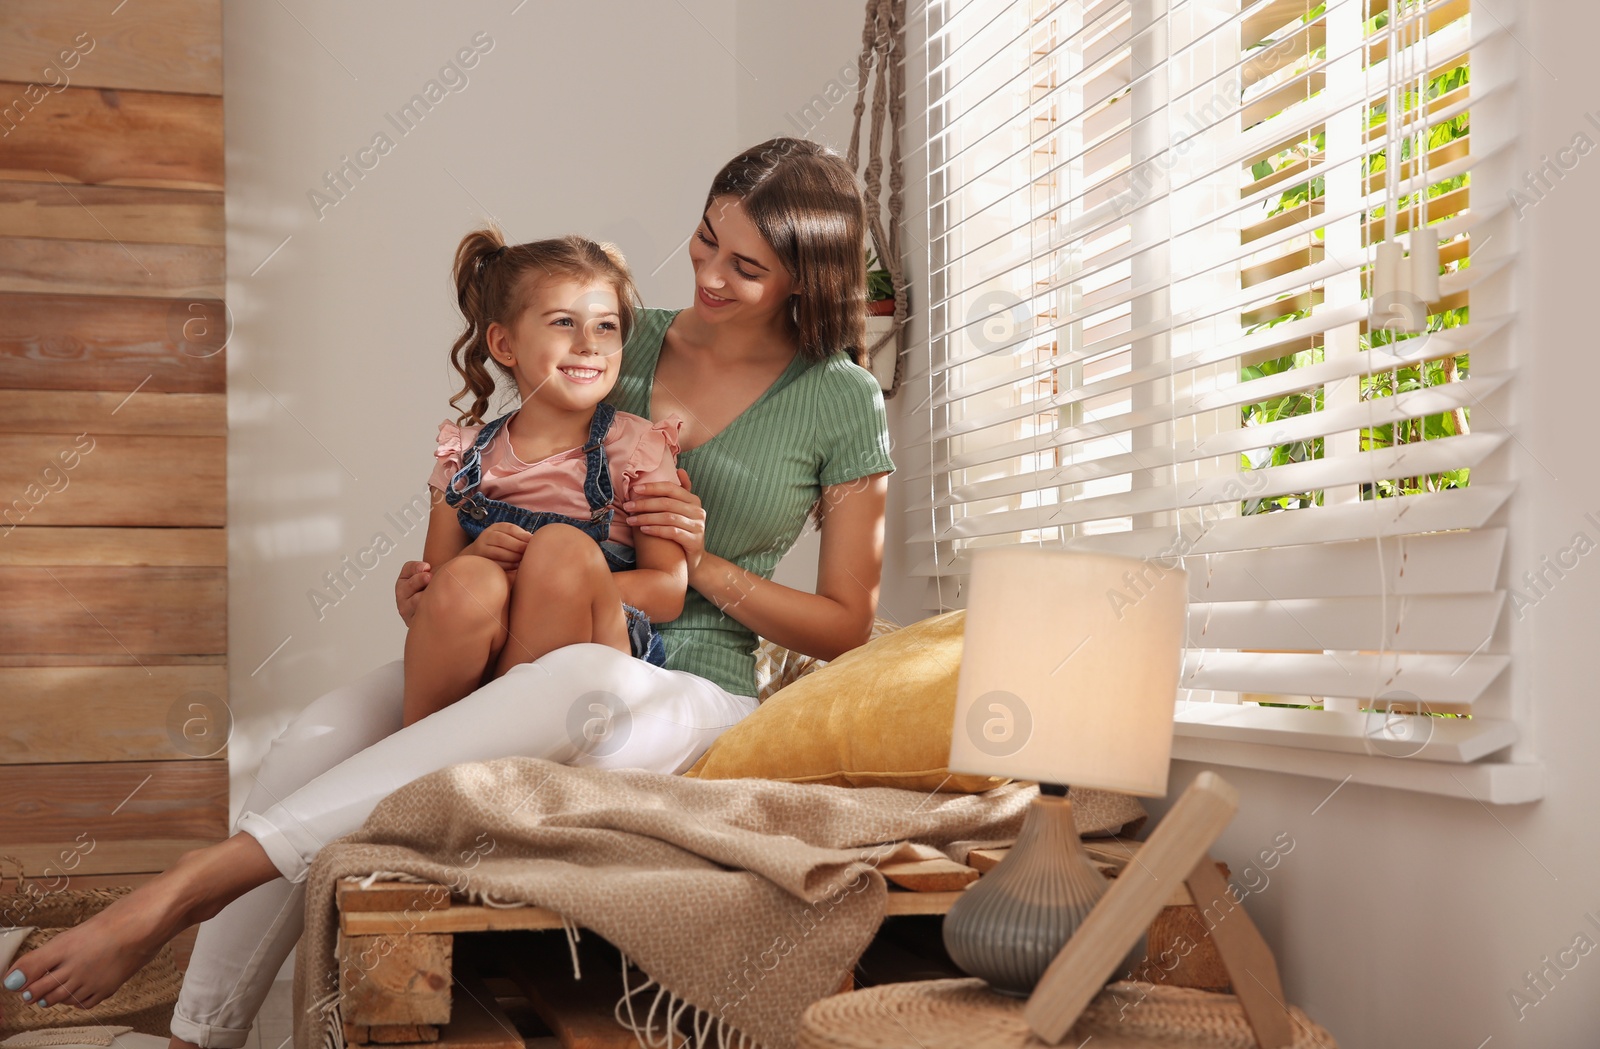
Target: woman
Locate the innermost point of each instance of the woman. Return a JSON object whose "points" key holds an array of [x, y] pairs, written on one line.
{"points": [[780, 424]]}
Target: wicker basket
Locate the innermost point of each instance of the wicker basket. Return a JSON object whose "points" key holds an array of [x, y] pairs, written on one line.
{"points": [[144, 1003], [960, 1014]]}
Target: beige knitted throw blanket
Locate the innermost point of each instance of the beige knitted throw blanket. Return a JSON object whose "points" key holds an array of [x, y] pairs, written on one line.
{"points": [[744, 899]]}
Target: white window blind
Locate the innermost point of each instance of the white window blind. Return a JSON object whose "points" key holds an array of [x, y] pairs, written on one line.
{"points": [[1151, 230]]}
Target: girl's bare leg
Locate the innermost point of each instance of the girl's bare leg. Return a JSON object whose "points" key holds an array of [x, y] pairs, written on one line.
{"points": [[563, 595], [87, 963], [459, 629]]}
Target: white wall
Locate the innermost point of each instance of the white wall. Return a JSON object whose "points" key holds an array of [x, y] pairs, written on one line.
{"points": [[338, 364], [341, 339], [338, 368]]}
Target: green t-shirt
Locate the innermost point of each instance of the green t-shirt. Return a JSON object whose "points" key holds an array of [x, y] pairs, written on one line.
{"points": [[819, 424]]}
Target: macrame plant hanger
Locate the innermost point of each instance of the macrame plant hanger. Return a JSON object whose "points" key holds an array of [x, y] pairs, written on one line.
{"points": [[883, 55]]}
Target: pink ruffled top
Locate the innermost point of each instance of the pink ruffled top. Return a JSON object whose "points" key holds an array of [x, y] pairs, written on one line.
{"points": [[637, 449]]}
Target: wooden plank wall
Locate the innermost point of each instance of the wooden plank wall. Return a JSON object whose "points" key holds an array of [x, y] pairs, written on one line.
{"points": [[113, 438]]}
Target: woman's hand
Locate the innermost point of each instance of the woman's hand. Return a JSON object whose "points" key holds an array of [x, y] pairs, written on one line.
{"points": [[414, 576], [502, 543], [670, 511]]}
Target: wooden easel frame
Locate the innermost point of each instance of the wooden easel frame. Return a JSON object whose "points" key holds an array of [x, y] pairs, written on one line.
{"points": [[1177, 848]]}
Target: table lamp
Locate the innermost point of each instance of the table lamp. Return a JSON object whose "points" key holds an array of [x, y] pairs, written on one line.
{"points": [[1069, 674]]}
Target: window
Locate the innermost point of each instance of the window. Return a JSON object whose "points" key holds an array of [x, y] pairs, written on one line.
{"points": [[1152, 331]]}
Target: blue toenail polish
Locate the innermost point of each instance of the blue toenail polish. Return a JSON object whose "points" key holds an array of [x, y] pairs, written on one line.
{"points": [[15, 979], [27, 996]]}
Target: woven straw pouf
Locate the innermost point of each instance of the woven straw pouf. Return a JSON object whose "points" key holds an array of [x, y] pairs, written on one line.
{"points": [[144, 1003], [963, 1014], [114, 1037]]}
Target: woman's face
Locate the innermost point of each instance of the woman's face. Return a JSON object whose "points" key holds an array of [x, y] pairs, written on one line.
{"points": [[737, 275]]}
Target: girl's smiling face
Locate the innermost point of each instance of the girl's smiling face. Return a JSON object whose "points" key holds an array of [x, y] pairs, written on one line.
{"points": [[736, 272], [565, 348]]}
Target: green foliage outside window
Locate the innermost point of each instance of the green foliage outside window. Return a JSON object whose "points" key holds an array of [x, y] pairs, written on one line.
{"points": [[1384, 384]]}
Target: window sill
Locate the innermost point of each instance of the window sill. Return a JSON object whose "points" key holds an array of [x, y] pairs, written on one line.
{"points": [[1448, 740], [1493, 783]]}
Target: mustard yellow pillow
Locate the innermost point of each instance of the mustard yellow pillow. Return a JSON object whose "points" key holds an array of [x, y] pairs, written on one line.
{"points": [[878, 716]]}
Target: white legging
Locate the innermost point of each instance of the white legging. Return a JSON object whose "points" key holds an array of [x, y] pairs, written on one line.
{"points": [[580, 705]]}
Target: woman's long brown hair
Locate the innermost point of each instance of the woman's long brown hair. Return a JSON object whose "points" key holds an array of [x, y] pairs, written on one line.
{"points": [[803, 199], [493, 281]]}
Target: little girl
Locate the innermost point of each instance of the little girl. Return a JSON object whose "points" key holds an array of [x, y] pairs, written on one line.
{"points": [[524, 542]]}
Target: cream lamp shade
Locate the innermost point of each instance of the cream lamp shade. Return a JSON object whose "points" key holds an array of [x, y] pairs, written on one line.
{"points": [[1069, 671]]}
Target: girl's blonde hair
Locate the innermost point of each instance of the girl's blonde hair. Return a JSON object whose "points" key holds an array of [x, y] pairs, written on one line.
{"points": [[493, 285]]}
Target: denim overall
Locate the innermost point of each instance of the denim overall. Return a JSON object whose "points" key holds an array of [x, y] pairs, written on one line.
{"points": [[477, 512]]}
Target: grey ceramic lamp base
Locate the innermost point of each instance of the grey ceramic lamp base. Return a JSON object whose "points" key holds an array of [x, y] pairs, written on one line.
{"points": [[1008, 927]]}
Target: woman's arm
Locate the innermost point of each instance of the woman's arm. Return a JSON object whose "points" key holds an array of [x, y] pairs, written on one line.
{"points": [[659, 581], [835, 619], [408, 587]]}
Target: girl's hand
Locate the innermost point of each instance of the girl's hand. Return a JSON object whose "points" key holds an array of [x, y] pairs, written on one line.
{"points": [[502, 543], [671, 511], [414, 576]]}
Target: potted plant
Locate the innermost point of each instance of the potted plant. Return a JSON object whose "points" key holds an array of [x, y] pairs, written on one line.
{"points": [[880, 288], [880, 321]]}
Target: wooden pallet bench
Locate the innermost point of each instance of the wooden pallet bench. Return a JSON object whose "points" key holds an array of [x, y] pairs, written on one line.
{"points": [[408, 976]]}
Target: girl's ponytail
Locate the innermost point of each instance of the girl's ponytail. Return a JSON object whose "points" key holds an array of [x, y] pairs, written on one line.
{"points": [[491, 288], [477, 293]]}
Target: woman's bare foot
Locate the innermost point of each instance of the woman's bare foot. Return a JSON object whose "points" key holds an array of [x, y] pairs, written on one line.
{"points": [[86, 964]]}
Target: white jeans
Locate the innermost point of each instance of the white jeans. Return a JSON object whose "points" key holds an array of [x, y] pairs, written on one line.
{"points": [[580, 705]]}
